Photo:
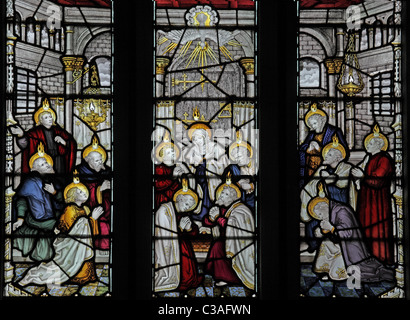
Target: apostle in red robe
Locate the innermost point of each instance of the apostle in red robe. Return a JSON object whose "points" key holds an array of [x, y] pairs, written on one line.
{"points": [[374, 203], [190, 277], [166, 172], [58, 143], [231, 257], [165, 184], [175, 262]]}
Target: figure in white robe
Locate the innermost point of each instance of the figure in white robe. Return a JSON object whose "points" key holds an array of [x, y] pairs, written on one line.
{"points": [[231, 257], [207, 160], [335, 175], [74, 248], [167, 250]]}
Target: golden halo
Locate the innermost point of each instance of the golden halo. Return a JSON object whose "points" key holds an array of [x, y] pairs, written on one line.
{"points": [[166, 143], [76, 184], [314, 110], [334, 145], [45, 107], [185, 190], [199, 125], [40, 154], [95, 147], [376, 134], [240, 143], [313, 202], [228, 183]]}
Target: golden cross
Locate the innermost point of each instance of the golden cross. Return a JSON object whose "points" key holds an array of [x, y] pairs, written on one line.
{"points": [[202, 80]]}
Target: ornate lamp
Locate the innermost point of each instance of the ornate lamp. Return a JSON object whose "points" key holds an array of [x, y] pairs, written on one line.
{"points": [[93, 112], [350, 79], [350, 83]]}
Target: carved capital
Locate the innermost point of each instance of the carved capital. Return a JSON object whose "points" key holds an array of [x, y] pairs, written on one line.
{"points": [[333, 65], [72, 63], [161, 64], [248, 65]]}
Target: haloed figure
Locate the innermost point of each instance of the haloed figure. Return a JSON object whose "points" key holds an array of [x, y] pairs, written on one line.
{"points": [[375, 174], [166, 171], [96, 176], [38, 203], [58, 143], [343, 243], [74, 249], [231, 257], [320, 134], [175, 262], [207, 160]]}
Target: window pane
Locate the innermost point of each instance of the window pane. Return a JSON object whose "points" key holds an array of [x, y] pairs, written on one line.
{"points": [[350, 149], [205, 150], [58, 151]]}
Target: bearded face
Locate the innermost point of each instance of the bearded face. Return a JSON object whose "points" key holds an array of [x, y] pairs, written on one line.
{"points": [[317, 122], [241, 156], [95, 161], [226, 197]]}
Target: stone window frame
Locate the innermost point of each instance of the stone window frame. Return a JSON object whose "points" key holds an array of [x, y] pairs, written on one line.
{"points": [[26, 95]]}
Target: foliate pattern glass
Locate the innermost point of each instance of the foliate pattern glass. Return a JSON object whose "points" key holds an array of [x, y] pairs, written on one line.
{"points": [[205, 149], [350, 149], [58, 148]]}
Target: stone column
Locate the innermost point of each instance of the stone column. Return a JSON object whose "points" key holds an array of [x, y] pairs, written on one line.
{"points": [[248, 66], [38, 34], [69, 62], [69, 43], [9, 147], [350, 124], [72, 65], [340, 44], [8, 254], [23, 32], [10, 90], [333, 66], [51, 44], [398, 292], [161, 65]]}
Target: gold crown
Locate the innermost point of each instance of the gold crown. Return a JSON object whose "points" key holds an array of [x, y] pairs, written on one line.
{"points": [[45, 107], [334, 145], [40, 154], [75, 184], [320, 198], [185, 190], [228, 183], [314, 110], [95, 147], [240, 143], [376, 134], [166, 143]]}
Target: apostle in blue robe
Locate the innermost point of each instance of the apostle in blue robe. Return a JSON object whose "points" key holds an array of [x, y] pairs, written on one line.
{"points": [[320, 134], [38, 204]]}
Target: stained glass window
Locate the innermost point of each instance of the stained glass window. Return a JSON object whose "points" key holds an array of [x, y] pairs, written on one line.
{"points": [[205, 141], [58, 152], [351, 149]]}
